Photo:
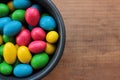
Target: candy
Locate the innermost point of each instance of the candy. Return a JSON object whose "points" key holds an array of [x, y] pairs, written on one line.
{"points": [[3, 22], [23, 37], [50, 48], [1, 50], [39, 60], [37, 46], [22, 70], [21, 4], [1, 40], [52, 37], [4, 10], [19, 15], [37, 7], [12, 28], [38, 34], [8, 39], [9, 53], [10, 5], [5, 68], [32, 16], [24, 54], [47, 23]]}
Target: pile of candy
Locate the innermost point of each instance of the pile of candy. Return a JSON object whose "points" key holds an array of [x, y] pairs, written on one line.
{"points": [[27, 38]]}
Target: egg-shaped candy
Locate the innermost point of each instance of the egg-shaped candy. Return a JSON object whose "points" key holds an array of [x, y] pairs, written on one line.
{"points": [[9, 53], [22, 70], [47, 23], [4, 10], [37, 46], [52, 37], [38, 34], [32, 16], [3, 22], [5, 69], [50, 48], [21, 4], [23, 37], [10, 5], [39, 60], [12, 28], [24, 54], [19, 15]]}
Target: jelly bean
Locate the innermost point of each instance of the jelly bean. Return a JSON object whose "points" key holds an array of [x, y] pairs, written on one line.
{"points": [[1, 40], [38, 34], [23, 38], [9, 53], [39, 60], [21, 4], [6, 69], [19, 15], [52, 37], [22, 70], [8, 39], [47, 23], [37, 46], [50, 48], [32, 16], [17, 46], [37, 7], [3, 22], [12, 28], [1, 50], [10, 5], [4, 10], [24, 54]]}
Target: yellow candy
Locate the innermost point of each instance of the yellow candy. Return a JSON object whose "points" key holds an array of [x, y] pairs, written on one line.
{"points": [[1, 40], [52, 37], [24, 54], [10, 5], [50, 49], [9, 53], [17, 46]]}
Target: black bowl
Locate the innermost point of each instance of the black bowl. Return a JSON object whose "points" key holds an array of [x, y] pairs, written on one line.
{"points": [[51, 8]]}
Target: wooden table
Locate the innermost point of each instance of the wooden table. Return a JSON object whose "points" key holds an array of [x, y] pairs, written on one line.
{"points": [[92, 49]]}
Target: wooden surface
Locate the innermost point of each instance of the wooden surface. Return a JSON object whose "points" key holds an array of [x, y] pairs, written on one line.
{"points": [[92, 49]]}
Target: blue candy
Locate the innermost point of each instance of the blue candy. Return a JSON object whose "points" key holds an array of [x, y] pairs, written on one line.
{"points": [[21, 4], [12, 28], [22, 70], [4, 21], [47, 23], [37, 7]]}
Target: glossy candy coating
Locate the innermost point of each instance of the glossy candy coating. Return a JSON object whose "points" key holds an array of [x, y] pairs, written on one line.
{"points": [[19, 15], [21, 4], [50, 48], [23, 38], [9, 53], [22, 70], [47, 23], [12, 28], [38, 34], [39, 60], [24, 54], [52, 37], [4, 10], [37, 46], [32, 16], [5, 69]]}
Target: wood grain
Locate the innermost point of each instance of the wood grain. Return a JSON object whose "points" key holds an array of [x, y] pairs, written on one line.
{"points": [[92, 49]]}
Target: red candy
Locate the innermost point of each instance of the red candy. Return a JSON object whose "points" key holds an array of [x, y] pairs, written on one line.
{"points": [[32, 16], [23, 38], [38, 34], [37, 46]]}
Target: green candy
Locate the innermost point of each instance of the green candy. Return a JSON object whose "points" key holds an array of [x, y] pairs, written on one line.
{"points": [[8, 39], [19, 15], [1, 50], [5, 69], [39, 60], [1, 59], [45, 14], [4, 10]]}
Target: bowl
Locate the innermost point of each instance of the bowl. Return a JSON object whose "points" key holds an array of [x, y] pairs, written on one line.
{"points": [[51, 8]]}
